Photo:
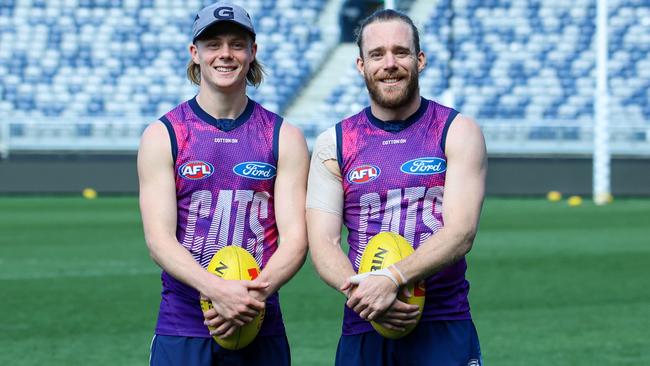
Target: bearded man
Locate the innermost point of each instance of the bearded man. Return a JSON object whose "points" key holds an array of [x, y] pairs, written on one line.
{"points": [[407, 165]]}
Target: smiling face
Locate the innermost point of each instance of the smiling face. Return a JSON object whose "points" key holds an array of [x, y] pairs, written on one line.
{"points": [[390, 63], [224, 56]]}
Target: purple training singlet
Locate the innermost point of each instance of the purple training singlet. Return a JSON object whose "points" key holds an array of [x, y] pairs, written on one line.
{"points": [[393, 180], [225, 175]]}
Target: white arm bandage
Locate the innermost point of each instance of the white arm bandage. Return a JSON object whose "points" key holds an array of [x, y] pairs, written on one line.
{"points": [[324, 188], [392, 272]]}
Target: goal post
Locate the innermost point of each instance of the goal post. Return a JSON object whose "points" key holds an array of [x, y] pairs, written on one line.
{"points": [[601, 153]]}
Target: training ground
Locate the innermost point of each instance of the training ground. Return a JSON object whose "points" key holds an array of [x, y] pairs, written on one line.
{"points": [[550, 285]]}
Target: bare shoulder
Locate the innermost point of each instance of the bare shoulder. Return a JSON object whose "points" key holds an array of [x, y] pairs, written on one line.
{"points": [[292, 143], [155, 144], [464, 135], [155, 131], [291, 133], [464, 125]]}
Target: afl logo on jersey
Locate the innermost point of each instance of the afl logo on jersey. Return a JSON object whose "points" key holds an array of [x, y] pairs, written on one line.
{"points": [[363, 174], [195, 170], [424, 166], [254, 170]]}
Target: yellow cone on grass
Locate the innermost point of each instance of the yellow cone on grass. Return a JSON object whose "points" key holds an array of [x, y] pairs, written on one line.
{"points": [[554, 196], [89, 193], [574, 201]]}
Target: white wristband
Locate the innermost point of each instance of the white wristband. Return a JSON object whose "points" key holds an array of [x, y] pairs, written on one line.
{"points": [[356, 279], [398, 274]]}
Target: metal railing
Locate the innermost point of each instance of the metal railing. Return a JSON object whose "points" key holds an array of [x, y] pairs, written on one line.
{"points": [[503, 137]]}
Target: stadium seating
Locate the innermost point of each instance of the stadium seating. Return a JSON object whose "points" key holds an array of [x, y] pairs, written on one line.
{"points": [[527, 61], [99, 64], [126, 59]]}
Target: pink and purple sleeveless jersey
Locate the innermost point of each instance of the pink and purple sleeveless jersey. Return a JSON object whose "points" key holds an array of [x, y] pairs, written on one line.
{"points": [[393, 180], [225, 175]]}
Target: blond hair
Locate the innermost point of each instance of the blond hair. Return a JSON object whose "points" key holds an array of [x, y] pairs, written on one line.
{"points": [[254, 76]]}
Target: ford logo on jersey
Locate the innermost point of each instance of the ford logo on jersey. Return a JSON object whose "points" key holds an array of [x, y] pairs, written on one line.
{"points": [[424, 166], [255, 170], [363, 174], [196, 170]]}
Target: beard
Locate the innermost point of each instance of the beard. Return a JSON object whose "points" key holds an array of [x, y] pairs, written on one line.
{"points": [[395, 99]]}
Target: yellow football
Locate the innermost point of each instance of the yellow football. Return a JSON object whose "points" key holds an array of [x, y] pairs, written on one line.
{"points": [[89, 193], [574, 201], [235, 263], [554, 196], [384, 249]]}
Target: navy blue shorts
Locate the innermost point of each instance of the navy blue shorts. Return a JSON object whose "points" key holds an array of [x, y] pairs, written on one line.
{"points": [[197, 351], [436, 343]]}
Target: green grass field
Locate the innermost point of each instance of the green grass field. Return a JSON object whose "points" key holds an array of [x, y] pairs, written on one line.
{"points": [[551, 285]]}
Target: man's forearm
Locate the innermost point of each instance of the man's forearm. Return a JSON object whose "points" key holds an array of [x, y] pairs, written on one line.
{"points": [[283, 265], [441, 250], [331, 264], [178, 262]]}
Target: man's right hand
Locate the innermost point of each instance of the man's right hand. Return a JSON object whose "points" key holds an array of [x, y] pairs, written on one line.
{"points": [[233, 306]]}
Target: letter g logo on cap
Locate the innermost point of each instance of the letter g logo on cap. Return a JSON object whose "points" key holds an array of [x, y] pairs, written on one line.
{"points": [[224, 12]]}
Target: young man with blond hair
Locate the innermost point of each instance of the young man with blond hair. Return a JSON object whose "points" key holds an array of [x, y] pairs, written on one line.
{"points": [[221, 170]]}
